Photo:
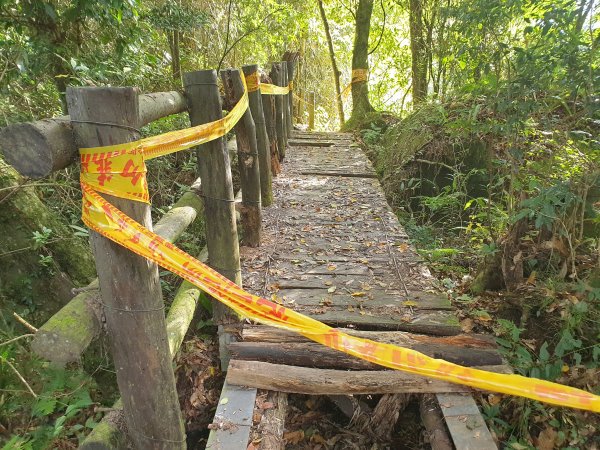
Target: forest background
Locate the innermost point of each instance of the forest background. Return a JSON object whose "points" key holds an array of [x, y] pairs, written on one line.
{"points": [[482, 120]]}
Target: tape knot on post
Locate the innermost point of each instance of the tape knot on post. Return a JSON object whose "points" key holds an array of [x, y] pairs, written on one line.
{"points": [[252, 82]]}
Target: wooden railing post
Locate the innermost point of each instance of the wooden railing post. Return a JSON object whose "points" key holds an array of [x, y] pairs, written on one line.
{"points": [[262, 140], [277, 77], [291, 69], [129, 285], [248, 163], [311, 110], [269, 114], [214, 168], [286, 101]]}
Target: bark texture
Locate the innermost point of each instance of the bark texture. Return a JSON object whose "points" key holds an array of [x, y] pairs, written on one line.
{"points": [[360, 53]]}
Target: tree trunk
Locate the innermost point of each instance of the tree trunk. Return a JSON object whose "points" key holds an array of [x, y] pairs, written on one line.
{"points": [[174, 38], [334, 67], [360, 53], [418, 51]]}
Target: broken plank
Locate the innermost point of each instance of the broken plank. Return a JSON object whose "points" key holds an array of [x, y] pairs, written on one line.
{"points": [[343, 297], [231, 425], [333, 173], [465, 423], [353, 281], [309, 143], [439, 323], [304, 380]]}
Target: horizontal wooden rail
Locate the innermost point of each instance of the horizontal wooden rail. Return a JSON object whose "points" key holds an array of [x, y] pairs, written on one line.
{"points": [[311, 381], [36, 149], [68, 333]]}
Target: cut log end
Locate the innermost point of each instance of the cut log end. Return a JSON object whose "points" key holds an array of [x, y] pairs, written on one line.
{"points": [[25, 145]]}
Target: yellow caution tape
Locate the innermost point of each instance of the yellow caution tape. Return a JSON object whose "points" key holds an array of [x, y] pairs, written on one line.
{"points": [[271, 89], [120, 170], [253, 82], [358, 75]]}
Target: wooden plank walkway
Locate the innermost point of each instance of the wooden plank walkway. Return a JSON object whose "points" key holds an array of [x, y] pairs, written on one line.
{"points": [[333, 249]]}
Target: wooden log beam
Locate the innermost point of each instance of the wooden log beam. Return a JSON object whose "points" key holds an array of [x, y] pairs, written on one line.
{"points": [[304, 380], [264, 333], [262, 141], [436, 434], [386, 413], [248, 162], [39, 148], [69, 332], [272, 422], [309, 354], [161, 104], [111, 432], [276, 75], [129, 285]]}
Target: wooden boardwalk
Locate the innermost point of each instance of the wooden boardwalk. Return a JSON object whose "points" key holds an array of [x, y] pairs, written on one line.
{"points": [[333, 249]]}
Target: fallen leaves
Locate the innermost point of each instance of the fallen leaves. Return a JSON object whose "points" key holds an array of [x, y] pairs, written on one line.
{"points": [[293, 437]]}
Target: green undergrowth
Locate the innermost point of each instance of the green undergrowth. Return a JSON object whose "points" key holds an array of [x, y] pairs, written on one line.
{"points": [[506, 213]]}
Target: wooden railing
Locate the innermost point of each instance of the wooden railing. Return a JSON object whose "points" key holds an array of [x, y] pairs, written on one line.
{"points": [[127, 293]]}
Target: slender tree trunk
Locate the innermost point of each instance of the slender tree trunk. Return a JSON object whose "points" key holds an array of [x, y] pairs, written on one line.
{"points": [[175, 56], [418, 51], [360, 53], [336, 72]]}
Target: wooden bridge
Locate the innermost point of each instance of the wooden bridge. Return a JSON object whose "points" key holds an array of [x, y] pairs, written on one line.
{"points": [[331, 248]]}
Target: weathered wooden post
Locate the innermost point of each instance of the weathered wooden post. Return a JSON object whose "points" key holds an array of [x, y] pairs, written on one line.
{"points": [[214, 168], [262, 138], [269, 114], [129, 285], [248, 163], [291, 69], [311, 110], [286, 102], [277, 77]]}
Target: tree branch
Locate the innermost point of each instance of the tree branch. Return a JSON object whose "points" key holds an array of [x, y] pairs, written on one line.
{"points": [[382, 30]]}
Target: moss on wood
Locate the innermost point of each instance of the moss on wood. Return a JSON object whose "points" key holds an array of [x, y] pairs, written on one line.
{"points": [[25, 283]]}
